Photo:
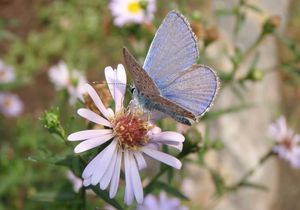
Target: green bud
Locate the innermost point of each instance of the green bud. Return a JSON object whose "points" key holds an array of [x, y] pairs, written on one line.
{"points": [[255, 75], [217, 145], [196, 15], [144, 4], [52, 123], [271, 24]]}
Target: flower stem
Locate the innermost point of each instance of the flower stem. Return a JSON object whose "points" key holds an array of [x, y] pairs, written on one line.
{"points": [[249, 173]]}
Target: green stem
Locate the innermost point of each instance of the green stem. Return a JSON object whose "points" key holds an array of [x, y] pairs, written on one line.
{"points": [[163, 170], [247, 53], [249, 173]]}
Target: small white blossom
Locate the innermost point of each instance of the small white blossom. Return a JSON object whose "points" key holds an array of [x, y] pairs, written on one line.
{"points": [[287, 142], [7, 73], [130, 136], [10, 104], [163, 202], [132, 11], [72, 81]]}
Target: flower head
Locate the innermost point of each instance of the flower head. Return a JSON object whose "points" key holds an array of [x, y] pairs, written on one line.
{"points": [[72, 81], [10, 104], [132, 11], [130, 136], [287, 142], [7, 73], [162, 202]]}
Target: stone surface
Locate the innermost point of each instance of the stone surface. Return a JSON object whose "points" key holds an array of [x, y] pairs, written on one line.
{"points": [[244, 133]]}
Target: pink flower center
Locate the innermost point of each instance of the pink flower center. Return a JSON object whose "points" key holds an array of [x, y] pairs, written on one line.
{"points": [[2, 73], [130, 130], [287, 143]]}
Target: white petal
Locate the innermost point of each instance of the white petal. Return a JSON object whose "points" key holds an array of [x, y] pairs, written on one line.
{"points": [[136, 180], [110, 77], [178, 146], [108, 174], [174, 144], [93, 117], [88, 134], [92, 143], [96, 99], [104, 162], [163, 157], [128, 186], [86, 182], [121, 87], [140, 160], [168, 136], [116, 80], [116, 176], [93, 165]]}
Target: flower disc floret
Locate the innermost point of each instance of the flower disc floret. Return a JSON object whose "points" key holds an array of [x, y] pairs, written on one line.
{"points": [[131, 130]]}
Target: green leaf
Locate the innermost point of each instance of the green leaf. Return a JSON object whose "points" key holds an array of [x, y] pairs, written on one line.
{"points": [[253, 8], [54, 197], [105, 196], [224, 12], [219, 183], [171, 190], [254, 185]]}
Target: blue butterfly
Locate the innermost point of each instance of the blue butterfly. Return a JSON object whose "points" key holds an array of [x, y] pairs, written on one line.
{"points": [[170, 81]]}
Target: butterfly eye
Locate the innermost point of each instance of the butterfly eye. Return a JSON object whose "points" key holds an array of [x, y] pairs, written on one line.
{"points": [[132, 89]]}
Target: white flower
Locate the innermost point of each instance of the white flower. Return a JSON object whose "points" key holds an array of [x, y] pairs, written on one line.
{"points": [[287, 142], [72, 81], [132, 11], [163, 202], [10, 104], [7, 73], [130, 137]]}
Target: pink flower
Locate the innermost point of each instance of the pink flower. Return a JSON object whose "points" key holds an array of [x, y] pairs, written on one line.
{"points": [[287, 142]]}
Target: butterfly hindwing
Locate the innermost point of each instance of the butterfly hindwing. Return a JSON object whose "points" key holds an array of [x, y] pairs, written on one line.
{"points": [[194, 89], [164, 105], [173, 49]]}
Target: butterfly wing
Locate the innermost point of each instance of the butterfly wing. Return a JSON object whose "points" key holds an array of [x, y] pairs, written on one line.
{"points": [[173, 49], [193, 89], [142, 80], [148, 91]]}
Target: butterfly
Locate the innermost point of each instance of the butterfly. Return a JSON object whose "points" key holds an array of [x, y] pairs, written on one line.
{"points": [[170, 81]]}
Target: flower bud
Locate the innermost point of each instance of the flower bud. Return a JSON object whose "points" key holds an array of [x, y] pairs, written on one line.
{"points": [[271, 24], [52, 123], [255, 75], [198, 29], [211, 35]]}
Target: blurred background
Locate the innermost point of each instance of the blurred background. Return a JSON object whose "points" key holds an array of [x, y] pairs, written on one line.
{"points": [[253, 46]]}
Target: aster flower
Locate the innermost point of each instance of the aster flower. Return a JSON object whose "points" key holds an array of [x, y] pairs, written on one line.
{"points": [[7, 73], [130, 136], [287, 142], [132, 11], [10, 104], [72, 81], [163, 202]]}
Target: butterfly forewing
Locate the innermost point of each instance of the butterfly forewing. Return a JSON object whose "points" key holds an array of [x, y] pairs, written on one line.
{"points": [[148, 90], [173, 49], [141, 79]]}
